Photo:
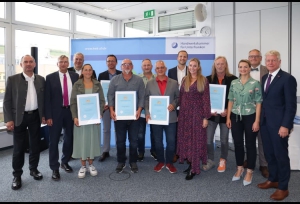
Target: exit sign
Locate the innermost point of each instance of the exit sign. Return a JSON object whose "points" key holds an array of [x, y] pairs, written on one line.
{"points": [[149, 14]]}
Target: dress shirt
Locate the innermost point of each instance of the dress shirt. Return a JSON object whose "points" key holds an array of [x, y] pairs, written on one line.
{"points": [[61, 77], [31, 99], [273, 76], [162, 85], [78, 72], [255, 74], [180, 75]]}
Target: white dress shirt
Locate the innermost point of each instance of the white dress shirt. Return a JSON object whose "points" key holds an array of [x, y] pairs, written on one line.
{"points": [[180, 75], [273, 77], [255, 74], [31, 99]]}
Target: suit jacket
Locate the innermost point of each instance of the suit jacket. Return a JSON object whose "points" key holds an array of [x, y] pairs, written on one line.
{"points": [[227, 81], [172, 73], [152, 89], [15, 97], [78, 88], [280, 102], [72, 69], [53, 94], [105, 75]]}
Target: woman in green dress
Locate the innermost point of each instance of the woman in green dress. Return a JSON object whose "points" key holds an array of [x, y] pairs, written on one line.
{"points": [[86, 145]]}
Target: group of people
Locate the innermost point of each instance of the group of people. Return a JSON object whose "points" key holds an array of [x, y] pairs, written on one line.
{"points": [[259, 103]]}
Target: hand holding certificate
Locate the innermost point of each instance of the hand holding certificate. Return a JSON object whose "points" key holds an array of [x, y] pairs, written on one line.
{"points": [[217, 97], [158, 108]]}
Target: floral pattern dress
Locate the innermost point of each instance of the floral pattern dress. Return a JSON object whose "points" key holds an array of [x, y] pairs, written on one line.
{"points": [[191, 136]]}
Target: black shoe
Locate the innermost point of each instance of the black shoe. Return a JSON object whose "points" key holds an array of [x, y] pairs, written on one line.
{"points": [[36, 174], [104, 156], [153, 154], [17, 183], [55, 175], [190, 175], [141, 157], [188, 169], [66, 167]]}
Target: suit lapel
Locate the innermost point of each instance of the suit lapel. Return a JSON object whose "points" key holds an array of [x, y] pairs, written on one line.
{"points": [[277, 78]]}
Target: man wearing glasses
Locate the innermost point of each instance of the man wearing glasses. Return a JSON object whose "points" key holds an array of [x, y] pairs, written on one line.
{"points": [[111, 62], [127, 81]]}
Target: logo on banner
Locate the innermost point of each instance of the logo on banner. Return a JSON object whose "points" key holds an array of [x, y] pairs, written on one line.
{"points": [[174, 45]]}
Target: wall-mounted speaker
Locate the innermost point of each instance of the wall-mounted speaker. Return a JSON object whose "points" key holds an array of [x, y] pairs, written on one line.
{"points": [[200, 12]]}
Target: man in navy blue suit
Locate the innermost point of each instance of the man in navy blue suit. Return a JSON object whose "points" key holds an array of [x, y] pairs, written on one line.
{"points": [[278, 111], [58, 115]]}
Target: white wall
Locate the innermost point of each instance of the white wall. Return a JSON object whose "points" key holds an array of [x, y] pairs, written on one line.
{"points": [[295, 69]]}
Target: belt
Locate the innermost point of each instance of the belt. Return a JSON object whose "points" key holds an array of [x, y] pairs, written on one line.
{"points": [[66, 107], [31, 112]]}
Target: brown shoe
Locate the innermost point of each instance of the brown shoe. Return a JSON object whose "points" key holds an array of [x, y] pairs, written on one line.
{"points": [[264, 171], [103, 156], [175, 158], [267, 184], [280, 194], [245, 164]]}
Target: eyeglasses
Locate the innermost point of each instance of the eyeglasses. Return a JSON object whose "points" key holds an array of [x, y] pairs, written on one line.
{"points": [[110, 61], [63, 62], [254, 56], [126, 64], [160, 67]]}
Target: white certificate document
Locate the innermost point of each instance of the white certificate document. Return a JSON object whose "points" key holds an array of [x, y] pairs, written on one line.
{"points": [[105, 85], [88, 109], [158, 108], [217, 97], [125, 105]]}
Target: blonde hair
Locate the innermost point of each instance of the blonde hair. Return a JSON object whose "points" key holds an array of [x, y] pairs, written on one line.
{"points": [[213, 70], [201, 80]]}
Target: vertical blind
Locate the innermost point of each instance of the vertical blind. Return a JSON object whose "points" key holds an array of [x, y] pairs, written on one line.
{"points": [[178, 21]]}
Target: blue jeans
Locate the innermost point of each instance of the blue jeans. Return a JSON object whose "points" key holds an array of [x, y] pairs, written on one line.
{"points": [[122, 128], [141, 137], [170, 132]]}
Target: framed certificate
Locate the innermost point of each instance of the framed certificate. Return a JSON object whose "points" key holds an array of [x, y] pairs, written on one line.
{"points": [[217, 97], [88, 109], [125, 105], [105, 85], [158, 108]]}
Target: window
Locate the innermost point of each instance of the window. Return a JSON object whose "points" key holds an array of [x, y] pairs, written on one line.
{"points": [[41, 15], [139, 28], [178, 21], [93, 26], [2, 10], [50, 47]]}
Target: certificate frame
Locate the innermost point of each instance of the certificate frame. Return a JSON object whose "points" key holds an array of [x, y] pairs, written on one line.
{"points": [[125, 105], [88, 109], [158, 108], [217, 97], [105, 85]]}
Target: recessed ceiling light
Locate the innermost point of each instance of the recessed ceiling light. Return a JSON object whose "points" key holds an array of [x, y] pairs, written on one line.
{"points": [[107, 10]]}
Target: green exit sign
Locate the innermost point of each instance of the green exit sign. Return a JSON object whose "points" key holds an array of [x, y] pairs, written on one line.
{"points": [[149, 14]]}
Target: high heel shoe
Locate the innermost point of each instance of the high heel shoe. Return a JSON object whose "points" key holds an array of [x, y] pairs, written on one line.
{"points": [[188, 169], [246, 183], [190, 175], [236, 178]]}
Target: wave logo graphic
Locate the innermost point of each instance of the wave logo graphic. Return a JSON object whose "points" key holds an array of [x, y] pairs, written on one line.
{"points": [[174, 45]]}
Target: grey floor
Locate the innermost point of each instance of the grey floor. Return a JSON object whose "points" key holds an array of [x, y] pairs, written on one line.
{"points": [[144, 186]]}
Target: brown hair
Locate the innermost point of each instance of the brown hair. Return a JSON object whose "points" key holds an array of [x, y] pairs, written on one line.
{"points": [[81, 75], [213, 70]]}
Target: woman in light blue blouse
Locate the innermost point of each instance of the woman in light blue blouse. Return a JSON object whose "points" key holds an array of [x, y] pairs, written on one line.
{"points": [[244, 107]]}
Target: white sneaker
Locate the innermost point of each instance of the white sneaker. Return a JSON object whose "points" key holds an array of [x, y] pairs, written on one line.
{"points": [[93, 170], [82, 171]]}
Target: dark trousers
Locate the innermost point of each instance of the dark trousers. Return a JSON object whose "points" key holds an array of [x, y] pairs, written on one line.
{"points": [[239, 127], [33, 123], [122, 128], [277, 154], [142, 135], [64, 122]]}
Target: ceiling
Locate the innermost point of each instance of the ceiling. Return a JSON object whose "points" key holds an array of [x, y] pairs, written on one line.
{"points": [[124, 10]]}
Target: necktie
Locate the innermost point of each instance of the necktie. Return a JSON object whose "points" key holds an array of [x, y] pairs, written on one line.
{"points": [[254, 69], [66, 97], [268, 83]]}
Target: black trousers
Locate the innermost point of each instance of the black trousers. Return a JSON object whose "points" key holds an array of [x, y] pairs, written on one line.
{"points": [[33, 123]]}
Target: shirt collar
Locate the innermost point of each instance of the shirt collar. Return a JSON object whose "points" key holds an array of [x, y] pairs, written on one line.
{"points": [[165, 79], [27, 78]]}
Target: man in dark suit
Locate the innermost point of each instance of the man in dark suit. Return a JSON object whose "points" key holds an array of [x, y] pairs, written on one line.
{"points": [[111, 62], [23, 108], [177, 73], [78, 60], [277, 115], [58, 88], [257, 72]]}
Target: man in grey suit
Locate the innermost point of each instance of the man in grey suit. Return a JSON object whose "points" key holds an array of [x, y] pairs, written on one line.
{"points": [[163, 86], [23, 108], [257, 71]]}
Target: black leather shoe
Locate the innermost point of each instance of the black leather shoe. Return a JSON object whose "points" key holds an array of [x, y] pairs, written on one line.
{"points": [[188, 169], [190, 175], [55, 175], [36, 174], [104, 156], [17, 183], [66, 167]]}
